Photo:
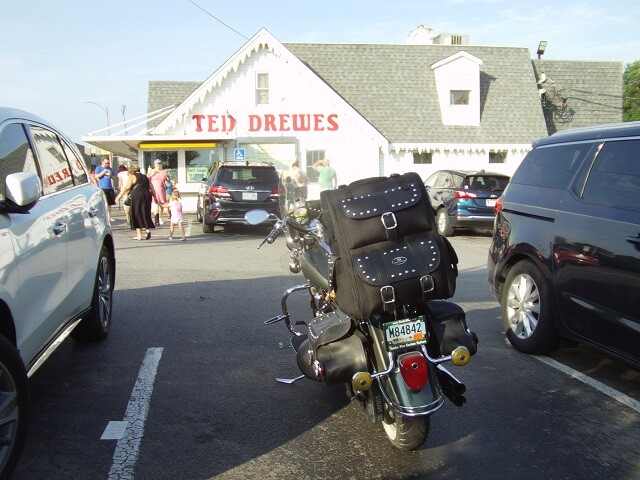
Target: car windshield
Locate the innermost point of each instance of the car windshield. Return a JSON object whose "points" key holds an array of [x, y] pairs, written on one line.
{"points": [[486, 182]]}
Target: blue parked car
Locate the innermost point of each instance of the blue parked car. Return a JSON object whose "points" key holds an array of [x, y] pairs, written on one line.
{"points": [[464, 199]]}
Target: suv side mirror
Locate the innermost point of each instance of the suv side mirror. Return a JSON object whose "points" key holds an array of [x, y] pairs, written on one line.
{"points": [[22, 191]]}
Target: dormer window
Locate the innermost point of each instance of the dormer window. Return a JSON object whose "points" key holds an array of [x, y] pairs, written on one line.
{"points": [[459, 97], [458, 85], [262, 88]]}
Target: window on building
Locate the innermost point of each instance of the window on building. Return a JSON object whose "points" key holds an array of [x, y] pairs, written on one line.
{"points": [[197, 163], [312, 157], [169, 161], [262, 88], [459, 97], [422, 158], [497, 157]]}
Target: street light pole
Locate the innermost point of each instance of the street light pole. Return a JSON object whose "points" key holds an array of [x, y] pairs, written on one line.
{"points": [[122, 109], [105, 110]]}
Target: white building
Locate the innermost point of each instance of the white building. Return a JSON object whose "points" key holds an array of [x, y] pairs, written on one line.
{"points": [[371, 109]]}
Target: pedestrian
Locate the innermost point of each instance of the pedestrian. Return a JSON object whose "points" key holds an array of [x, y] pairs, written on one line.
{"points": [[139, 192], [106, 182], [327, 178], [301, 181], [92, 175], [123, 177], [159, 179], [175, 207], [290, 193], [168, 191]]}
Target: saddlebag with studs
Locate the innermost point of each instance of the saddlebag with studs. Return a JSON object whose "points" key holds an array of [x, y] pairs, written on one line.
{"points": [[383, 276], [386, 252], [375, 209]]}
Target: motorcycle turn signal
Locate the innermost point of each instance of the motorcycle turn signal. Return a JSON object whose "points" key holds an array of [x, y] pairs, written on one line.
{"points": [[460, 356], [361, 382]]}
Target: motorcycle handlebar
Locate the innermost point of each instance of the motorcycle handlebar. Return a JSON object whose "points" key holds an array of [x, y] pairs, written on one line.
{"points": [[281, 225]]}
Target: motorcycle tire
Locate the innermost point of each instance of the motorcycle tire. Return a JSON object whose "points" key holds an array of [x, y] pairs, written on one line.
{"points": [[406, 433]]}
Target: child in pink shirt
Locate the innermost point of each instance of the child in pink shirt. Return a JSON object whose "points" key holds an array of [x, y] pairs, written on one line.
{"points": [[175, 207]]}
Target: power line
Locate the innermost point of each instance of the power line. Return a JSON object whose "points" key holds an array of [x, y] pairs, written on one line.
{"points": [[218, 20]]}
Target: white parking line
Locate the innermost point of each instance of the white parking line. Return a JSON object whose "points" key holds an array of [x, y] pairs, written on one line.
{"points": [[126, 453], [601, 387]]}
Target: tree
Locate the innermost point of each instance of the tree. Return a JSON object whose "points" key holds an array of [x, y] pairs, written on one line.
{"points": [[631, 103]]}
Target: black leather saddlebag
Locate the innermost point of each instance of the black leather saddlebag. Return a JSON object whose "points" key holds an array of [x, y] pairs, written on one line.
{"points": [[386, 251], [374, 210], [337, 346], [384, 275], [450, 327]]}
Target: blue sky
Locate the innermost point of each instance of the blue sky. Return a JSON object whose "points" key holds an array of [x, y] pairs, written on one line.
{"points": [[55, 55]]}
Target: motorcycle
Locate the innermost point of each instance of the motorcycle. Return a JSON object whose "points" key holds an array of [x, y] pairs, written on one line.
{"points": [[392, 362]]}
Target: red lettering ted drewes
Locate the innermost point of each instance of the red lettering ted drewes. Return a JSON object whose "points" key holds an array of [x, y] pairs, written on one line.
{"points": [[268, 122]]}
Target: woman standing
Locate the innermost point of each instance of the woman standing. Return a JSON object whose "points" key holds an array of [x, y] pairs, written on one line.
{"points": [[123, 177], [140, 193], [159, 179]]}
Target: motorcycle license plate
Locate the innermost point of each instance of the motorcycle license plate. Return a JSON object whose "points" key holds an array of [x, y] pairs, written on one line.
{"points": [[249, 195], [405, 333]]}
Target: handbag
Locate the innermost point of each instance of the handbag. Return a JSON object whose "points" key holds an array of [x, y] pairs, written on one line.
{"points": [[127, 201]]}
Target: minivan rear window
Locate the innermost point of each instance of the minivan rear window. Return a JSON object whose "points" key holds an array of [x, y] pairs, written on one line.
{"points": [[552, 166]]}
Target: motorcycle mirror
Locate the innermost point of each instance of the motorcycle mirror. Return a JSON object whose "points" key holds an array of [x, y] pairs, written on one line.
{"points": [[256, 217]]}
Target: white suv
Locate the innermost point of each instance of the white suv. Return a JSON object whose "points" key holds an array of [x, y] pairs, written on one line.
{"points": [[57, 263]]}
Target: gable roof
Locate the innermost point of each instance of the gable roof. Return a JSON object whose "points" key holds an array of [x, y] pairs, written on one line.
{"points": [[393, 86], [165, 93]]}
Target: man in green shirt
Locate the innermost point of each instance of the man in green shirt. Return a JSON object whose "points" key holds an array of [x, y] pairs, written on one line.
{"points": [[327, 178]]}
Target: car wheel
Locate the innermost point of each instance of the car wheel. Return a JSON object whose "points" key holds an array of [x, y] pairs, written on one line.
{"points": [[208, 227], [14, 406], [443, 224], [527, 310], [97, 324], [198, 210]]}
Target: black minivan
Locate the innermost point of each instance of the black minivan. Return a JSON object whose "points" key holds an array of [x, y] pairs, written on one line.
{"points": [[564, 261]]}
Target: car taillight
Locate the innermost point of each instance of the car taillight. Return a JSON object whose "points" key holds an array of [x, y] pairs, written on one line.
{"points": [[275, 193], [498, 206], [465, 194], [219, 191]]}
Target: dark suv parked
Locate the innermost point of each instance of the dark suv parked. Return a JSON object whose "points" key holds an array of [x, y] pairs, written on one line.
{"points": [[565, 256], [232, 189], [464, 199]]}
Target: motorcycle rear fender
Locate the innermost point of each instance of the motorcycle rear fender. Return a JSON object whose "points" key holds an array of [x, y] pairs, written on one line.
{"points": [[395, 391], [411, 404]]}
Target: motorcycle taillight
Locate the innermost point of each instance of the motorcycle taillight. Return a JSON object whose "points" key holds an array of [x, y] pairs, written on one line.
{"points": [[414, 370]]}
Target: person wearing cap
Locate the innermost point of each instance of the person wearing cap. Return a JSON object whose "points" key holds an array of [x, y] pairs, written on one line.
{"points": [[159, 179]]}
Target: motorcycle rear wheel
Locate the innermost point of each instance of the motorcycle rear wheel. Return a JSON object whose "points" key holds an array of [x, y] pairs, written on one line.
{"points": [[406, 433]]}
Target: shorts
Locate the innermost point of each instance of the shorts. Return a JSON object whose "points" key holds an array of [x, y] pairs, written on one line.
{"points": [[176, 220], [111, 196]]}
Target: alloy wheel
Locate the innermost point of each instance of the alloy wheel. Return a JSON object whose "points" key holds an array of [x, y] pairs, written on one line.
{"points": [[523, 306]]}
